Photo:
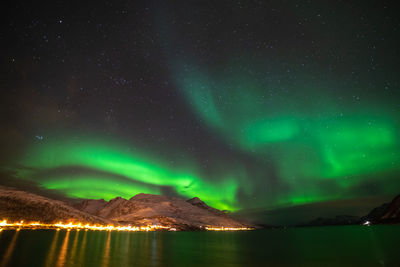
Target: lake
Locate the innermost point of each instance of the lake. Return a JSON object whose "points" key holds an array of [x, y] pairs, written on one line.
{"points": [[313, 246]]}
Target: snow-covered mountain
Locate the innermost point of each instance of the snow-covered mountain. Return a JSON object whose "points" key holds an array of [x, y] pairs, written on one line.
{"points": [[142, 209], [145, 209]]}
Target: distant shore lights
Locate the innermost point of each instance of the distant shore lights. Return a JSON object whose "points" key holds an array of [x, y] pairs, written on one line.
{"points": [[96, 227]]}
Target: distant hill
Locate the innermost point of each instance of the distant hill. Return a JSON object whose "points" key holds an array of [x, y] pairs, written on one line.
{"points": [[375, 214], [387, 213], [142, 209], [337, 220]]}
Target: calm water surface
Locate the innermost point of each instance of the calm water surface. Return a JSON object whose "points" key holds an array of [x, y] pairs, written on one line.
{"points": [[318, 246]]}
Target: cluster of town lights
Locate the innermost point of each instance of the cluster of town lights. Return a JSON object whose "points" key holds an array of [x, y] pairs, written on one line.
{"points": [[211, 228], [95, 227], [80, 226]]}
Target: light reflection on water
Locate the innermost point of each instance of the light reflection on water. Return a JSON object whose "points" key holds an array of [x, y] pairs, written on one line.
{"points": [[63, 252], [71, 258], [52, 251], [106, 255], [10, 249], [327, 246], [81, 256]]}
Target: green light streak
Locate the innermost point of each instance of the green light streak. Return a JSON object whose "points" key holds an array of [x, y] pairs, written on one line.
{"points": [[113, 159], [78, 186], [310, 135]]}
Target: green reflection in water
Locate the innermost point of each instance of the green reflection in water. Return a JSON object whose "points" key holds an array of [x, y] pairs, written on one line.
{"points": [[312, 246]]}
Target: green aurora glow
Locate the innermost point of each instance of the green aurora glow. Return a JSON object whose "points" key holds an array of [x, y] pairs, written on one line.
{"points": [[317, 156], [114, 160], [335, 149], [312, 136]]}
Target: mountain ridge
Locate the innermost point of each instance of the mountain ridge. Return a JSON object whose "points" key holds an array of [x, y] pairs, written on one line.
{"points": [[140, 210], [387, 213], [157, 209]]}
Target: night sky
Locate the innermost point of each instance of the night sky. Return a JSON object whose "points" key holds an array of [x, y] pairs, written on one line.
{"points": [[249, 105]]}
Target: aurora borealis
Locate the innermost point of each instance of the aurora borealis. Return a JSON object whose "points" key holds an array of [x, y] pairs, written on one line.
{"points": [[246, 105], [85, 168], [340, 142]]}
